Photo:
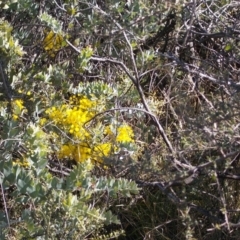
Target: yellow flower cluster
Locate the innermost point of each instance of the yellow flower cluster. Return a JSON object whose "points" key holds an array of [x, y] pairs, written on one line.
{"points": [[82, 152], [18, 108], [71, 117], [52, 43], [125, 134], [74, 115], [19, 103], [23, 163], [28, 93]]}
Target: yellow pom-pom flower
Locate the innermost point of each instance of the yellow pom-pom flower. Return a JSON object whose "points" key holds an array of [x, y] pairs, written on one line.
{"points": [[125, 134], [71, 118]]}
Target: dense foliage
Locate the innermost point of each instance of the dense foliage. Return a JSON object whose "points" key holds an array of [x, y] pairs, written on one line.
{"points": [[119, 119]]}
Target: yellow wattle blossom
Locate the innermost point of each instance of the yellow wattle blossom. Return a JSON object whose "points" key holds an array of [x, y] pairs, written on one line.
{"points": [[108, 131], [67, 151], [19, 103], [23, 163], [86, 104], [125, 134], [15, 117], [52, 43], [42, 121], [18, 108], [71, 117], [79, 153], [82, 153], [102, 150]]}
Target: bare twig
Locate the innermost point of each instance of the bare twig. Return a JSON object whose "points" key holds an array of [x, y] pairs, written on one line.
{"points": [[5, 204], [6, 84], [135, 82], [177, 201], [223, 199]]}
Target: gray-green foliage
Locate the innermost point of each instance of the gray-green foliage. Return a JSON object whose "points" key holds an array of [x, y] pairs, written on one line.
{"points": [[178, 60], [44, 204], [51, 208], [48, 207]]}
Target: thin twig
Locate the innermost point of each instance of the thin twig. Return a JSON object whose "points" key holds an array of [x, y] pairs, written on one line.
{"points": [[135, 82], [5, 205], [6, 84]]}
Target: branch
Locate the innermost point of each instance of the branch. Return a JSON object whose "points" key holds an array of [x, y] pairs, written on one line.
{"points": [[5, 204], [228, 176], [135, 79], [6, 84], [177, 201], [122, 65], [136, 83]]}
